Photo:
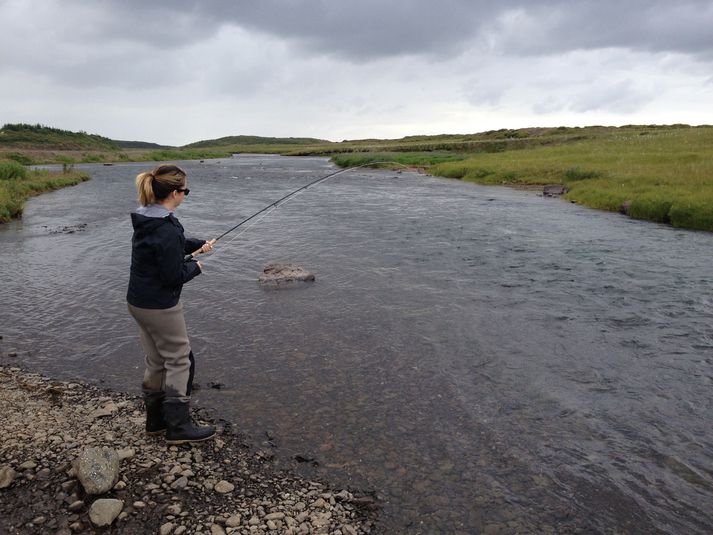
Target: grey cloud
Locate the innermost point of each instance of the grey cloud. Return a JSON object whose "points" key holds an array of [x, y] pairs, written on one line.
{"points": [[366, 30], [653, 26], [371, 29], [620, 97]]}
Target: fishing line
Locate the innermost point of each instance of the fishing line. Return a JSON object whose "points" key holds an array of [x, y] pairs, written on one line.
{"points": [[270, 207], [255, 222]]}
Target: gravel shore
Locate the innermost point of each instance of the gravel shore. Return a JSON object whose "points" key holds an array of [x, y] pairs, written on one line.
{"points": [[217, 487]]}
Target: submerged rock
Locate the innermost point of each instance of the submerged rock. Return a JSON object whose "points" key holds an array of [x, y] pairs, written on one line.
{"points": [[554, 190], [275, 274]]}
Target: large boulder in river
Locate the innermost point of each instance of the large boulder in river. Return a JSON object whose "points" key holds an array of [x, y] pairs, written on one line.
{"points": [[275, 274]]}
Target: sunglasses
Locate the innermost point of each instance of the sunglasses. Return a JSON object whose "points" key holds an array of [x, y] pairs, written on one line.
{"points": [[185, 191]]}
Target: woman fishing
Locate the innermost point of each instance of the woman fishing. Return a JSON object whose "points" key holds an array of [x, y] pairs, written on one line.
{"points": [[158, 273]]}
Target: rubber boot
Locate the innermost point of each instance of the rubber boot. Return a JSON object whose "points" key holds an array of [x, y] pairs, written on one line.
{"points": [[155, 421], [181, 429]]}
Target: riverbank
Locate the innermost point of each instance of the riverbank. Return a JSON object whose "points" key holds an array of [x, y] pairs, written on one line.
{"points": [[659, 174], [218, 487], [656, 173], [17, 184]]}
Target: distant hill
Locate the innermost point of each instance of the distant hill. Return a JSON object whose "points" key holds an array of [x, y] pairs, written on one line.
{"points": [[138, 145], [254, 140], [27, 136]]}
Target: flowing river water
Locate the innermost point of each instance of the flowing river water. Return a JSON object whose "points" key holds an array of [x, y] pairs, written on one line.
{"points": [[486, 359]]}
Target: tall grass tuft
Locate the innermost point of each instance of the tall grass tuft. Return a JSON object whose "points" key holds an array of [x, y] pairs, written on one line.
{"points": [[12, 171]]}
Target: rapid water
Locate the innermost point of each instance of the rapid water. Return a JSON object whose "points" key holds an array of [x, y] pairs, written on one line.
{"points": [[488, 360]]}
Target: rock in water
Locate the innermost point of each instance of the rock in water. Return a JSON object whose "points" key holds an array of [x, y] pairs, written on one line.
{"points": [[275, 274], [97, 469], [554, 190]]}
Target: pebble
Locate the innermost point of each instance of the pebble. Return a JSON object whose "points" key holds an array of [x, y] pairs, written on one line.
{"points": [[76, 506], [233, 521], [97, 469], [204, 495], [223, 487], [319, 503], [126, 453], [174, 509], [104, 511], [180, 483], [7, 476]]}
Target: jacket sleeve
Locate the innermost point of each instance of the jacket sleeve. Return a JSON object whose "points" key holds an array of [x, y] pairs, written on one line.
{"points": [[192, 244], [173, 271]]}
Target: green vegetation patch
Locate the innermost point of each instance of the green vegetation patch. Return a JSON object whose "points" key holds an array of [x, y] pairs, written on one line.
{"points": [[181, 154], [17, 184], [230, 141], [12, 171], [385, 159], [653, 173], [32, 136]]}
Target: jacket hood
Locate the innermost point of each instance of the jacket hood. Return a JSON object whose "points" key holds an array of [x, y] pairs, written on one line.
{"points": [[145, 225]]}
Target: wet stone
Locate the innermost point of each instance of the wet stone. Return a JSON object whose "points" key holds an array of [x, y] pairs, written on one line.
{"points": [[279, 274]]}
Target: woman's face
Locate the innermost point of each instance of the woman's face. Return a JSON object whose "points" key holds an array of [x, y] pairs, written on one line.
{"points": [[180, 195]]}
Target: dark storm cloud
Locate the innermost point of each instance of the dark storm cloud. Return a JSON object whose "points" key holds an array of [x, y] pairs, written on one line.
{"points": [[370, 29]]}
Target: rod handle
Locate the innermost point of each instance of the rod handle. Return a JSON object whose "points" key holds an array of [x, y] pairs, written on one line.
{"points": [[198, 251]]}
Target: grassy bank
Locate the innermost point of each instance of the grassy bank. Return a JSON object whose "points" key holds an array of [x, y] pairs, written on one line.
{"points": [[657, 175], [653, 172], [17, 184], [39, 156]]}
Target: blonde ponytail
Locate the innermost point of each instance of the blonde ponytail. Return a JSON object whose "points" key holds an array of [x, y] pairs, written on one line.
{"points": [[145, 188], [156, 185]]}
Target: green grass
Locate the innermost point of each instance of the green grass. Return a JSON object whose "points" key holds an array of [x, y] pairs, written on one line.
{"points": [[182, 154], [411, 159], [12, 171], [230, 141], [16, 188], [26, 135], [659, 175]]}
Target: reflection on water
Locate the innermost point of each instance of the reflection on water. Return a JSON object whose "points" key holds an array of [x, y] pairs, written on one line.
{"points": [[487, 359]]}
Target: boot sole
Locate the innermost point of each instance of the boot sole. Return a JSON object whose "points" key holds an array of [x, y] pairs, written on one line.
{"points": [[155, 433], [175, 442]]}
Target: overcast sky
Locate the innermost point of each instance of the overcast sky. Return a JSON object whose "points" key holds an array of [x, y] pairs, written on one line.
{"points": [[178, 71]]}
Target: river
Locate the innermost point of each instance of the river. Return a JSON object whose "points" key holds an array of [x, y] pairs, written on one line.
{"points": [[485, 359]]}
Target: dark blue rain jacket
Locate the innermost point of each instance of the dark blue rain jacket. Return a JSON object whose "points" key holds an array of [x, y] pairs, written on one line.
{"points": [[158, 271]]}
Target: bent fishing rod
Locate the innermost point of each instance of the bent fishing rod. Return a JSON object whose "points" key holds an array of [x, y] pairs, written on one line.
{"points": [[284, 200]]}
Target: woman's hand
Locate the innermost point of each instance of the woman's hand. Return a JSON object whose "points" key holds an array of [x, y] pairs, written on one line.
{"points": [[207, 246]]}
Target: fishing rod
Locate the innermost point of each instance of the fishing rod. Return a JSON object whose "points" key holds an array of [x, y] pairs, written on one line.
{"points": [[283, 200]]}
